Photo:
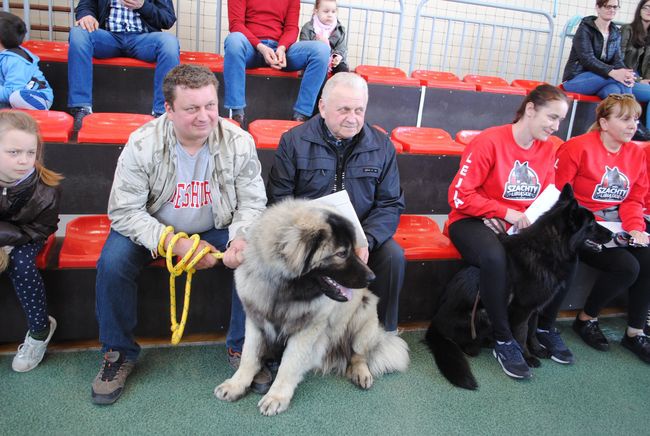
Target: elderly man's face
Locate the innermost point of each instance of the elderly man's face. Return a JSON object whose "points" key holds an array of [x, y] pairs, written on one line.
{"points": [[194, 113], [344, 111]]}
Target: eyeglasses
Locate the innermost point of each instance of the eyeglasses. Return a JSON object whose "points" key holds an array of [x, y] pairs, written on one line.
{"points": [[611, 7]]}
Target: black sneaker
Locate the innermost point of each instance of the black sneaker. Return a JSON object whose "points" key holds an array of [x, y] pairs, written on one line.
{"points": [[109, 382], [646, 330], [79, 113], [639, 345], [263, 379], [590, 332], [241, 120], [552, 342], [510, 357]]}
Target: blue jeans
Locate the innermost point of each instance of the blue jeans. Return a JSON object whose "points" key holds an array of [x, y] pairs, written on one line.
{"points": [[158, 47], [589, 83], [116, 288], [312, 56], [641, 92]]}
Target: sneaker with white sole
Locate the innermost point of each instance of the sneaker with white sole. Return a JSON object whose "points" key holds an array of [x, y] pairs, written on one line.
{"points": [[552, 341], [31, 352], [510, 357]]}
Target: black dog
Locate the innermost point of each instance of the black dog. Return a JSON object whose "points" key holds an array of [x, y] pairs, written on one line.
{"points": [[541, 260]]}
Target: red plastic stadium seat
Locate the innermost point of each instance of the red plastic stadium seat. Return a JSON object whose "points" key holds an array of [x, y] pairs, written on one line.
{"points": [[580, 97], [110, 128], [54, 126], [493, 84], [267, 71], [374, 70], [83, 242], [211, 60], [124, 62], [401, 81], [267, 133], [426, 140], [398, 145], [48, 51], [440, 79], [464, 137], [528, 85], [421, 239], [44, 254]]}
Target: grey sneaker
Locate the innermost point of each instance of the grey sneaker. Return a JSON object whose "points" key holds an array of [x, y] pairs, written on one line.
{"points": [[109, 383], [262, 380], [31, 352]]}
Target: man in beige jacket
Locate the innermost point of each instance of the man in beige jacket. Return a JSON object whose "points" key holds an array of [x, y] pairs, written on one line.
{"points": [[187, 169]]}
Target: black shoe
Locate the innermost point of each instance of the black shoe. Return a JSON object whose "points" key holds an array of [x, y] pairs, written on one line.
{"points": [[590, 332], [241, 120], [79, 113], [639, 345], [299, 117]]}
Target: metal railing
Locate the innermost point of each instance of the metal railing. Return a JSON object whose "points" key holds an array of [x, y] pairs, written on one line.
{"points": [[501, 45], [568, 32]]}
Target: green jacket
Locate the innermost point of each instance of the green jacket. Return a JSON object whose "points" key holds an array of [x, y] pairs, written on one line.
{"points": [[145, 178], [632, 54]]}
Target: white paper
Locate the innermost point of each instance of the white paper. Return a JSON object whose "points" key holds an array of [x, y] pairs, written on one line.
{"points": [[542, 203], [341, 202]]}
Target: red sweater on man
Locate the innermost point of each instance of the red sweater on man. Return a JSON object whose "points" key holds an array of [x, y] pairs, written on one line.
{"points": [[602, 179], [264, 19], [496, 174]]}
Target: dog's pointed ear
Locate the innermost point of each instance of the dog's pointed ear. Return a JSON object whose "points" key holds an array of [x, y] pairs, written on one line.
{"points": [[567, 193]]}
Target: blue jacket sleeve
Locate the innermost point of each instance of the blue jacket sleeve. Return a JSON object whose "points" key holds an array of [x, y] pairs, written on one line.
{"points": [[283, 172], [381, 223]]}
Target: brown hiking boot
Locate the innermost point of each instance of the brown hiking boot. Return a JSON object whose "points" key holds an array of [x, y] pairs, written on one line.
{"points": [[109, 383]]}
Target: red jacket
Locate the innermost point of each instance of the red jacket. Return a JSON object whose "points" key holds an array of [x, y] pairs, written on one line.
{"points": [[602, 179], [496, 174], [264, 19]]}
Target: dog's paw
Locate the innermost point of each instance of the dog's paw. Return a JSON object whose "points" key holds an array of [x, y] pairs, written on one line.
{"points": [[272, 404], [229, 391], [533, 361], [360, 375]]}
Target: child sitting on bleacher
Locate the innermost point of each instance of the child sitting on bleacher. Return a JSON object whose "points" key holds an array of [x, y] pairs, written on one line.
{"points": [[28, 215], [22, 84], [325, 27]]}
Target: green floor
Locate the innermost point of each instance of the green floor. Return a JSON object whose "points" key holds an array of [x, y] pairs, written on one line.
{"points": [[171, 392]]}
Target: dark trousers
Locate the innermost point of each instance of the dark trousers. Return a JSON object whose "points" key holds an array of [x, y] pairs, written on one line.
{"points": [[388, 263], [620, 269], [480, 246]]}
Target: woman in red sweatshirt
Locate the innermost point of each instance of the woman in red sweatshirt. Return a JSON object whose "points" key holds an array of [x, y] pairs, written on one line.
{"points": [[501, 173], [609, 177]]}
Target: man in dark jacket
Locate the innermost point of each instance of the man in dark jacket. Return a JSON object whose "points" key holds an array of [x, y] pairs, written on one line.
{"points": [[336, 151], [130, 28]]}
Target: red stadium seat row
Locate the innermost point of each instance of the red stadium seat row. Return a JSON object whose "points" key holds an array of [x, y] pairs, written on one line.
{"points": [[85, 236]]}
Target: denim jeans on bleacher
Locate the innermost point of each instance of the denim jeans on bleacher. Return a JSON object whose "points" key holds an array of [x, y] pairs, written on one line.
{"points": [[159, 47], [641, 92], [118, 269], [589, 83], [239, 54]]}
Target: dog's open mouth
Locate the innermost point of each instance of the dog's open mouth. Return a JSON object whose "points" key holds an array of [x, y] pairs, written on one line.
{"points": [[593, 246], [334, 290]]}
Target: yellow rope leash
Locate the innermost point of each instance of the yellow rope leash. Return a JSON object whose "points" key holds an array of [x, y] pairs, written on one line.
{"points": [[177, 270]]}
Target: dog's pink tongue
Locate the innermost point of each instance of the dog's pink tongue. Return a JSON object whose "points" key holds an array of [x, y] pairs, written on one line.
{"points": [[347, 292]]}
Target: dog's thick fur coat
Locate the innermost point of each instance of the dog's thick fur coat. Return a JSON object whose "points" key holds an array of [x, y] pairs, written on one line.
{"points": [[541, 261], [304, 293]]}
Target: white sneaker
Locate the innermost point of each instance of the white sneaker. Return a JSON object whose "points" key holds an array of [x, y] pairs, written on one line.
{"points": [[31, 352]]}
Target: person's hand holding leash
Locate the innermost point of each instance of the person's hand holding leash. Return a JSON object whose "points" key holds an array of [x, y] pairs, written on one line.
{"points": [[517, 219], [183, 245], [639, 238]]}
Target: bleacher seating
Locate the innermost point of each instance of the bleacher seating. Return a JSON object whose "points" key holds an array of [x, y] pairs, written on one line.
{"points": [[385, 75], [528, 85], [110, 128], [54, 126], [267, 133], [43, 256], [464, 137], [426, 140], [439, 79], [493, 84], [421, 239], [83, 242]]}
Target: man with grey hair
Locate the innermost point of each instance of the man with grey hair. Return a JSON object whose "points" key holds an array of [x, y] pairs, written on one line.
{"points": [[336, 150]]}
